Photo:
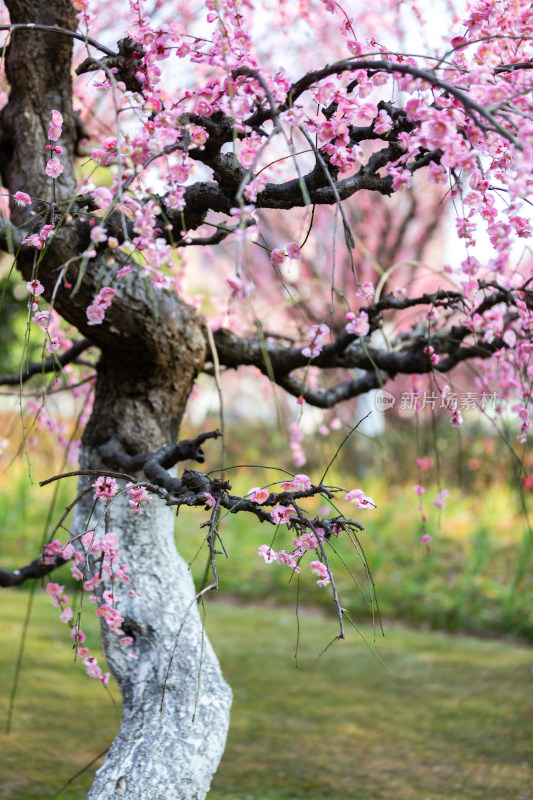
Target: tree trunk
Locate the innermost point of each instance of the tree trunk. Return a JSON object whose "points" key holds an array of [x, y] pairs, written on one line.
{"points": [[169, 754], [152, 346]]}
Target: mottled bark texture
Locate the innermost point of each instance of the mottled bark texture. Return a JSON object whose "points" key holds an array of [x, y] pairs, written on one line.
{"points": [[152, 347], [172, 754]]}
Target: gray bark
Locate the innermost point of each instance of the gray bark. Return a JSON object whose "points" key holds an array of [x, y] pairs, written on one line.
{"points": [[140, 397], [168, 755]]}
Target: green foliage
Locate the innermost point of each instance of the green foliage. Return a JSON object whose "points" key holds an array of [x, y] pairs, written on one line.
{"points": [[444, 720]]}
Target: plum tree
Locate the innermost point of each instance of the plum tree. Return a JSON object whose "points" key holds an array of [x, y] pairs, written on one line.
{"points": [[180, 132]]}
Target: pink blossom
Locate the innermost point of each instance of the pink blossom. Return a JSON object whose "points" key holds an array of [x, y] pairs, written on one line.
{"points": [[440, 499], [22, 199], [401, 178], [209, 500], [104, 296], [103, 197], [277, 257], [321, 570], [35, 287], [247, 155], [419, 489], [358, 326], [258, 495], [437, 131], [54, 589], [287, 558], [56, 124], [54, 168], [66, 615], [42, 319], [382, 123], [360, 499], [67, 551], [35, 240], [98, 234], [293, 251], [236, 283], [53, 344], [456, 418], [282, 514], [300, 483], [426, 538], [139, 496], [95, 315], [105, 487], [365, 291], [267, 554], [367, 113], [96, 311], [433, 356], [240, 288], [308, 541], [56, 593], [78, 635], [314, 350], [318, 330]]}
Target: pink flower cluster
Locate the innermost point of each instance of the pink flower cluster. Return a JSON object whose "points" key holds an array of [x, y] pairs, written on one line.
{"points": [[359, 326], [54, 167], [38, 240], [282, 514], [35, 288], [321, 570], [105, 553], [300, 483], [433, 356], [308, 541], [102, 301], [316, 334], [292, 251], [139, 497], [360, 499]]}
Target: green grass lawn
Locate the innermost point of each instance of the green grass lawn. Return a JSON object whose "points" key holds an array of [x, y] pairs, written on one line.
{"points": [[449, 719]]}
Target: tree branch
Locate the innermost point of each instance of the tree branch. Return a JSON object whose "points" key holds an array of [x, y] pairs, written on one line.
{"points": [[37, 569], [34, 26], [304, 83], [48, 365]]}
